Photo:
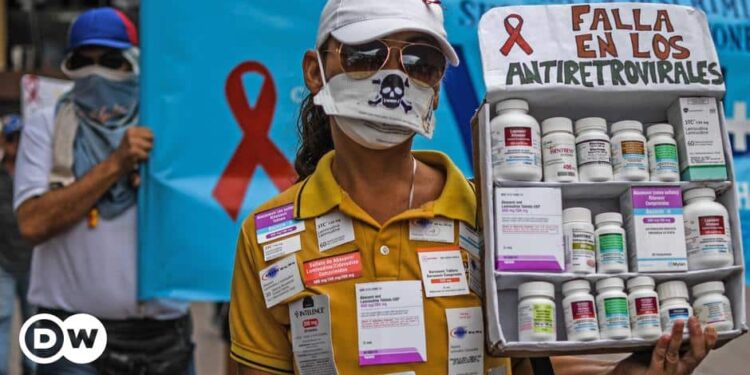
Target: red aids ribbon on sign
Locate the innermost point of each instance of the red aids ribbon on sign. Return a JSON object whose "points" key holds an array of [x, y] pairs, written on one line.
{"points": [[255, 148], [514, 36]]}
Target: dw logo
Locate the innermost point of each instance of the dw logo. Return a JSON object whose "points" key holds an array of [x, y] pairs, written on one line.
{"points": [[80, 338]]}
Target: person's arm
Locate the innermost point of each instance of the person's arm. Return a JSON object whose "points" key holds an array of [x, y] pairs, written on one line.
{"points": [[665, 359], [44, 216]]}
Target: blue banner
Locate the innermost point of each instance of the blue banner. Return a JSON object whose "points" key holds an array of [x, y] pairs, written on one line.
{"points": [[221, 89]]}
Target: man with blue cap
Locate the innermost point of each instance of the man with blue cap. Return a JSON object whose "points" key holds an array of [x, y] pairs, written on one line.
{"points": [[75, 197]]}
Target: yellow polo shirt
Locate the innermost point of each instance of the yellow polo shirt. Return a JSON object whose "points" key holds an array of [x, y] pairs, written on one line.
{"points": [[261, 336]]}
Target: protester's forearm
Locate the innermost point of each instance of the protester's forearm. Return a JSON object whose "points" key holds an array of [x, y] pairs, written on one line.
{"points": [[570, 365], [42, 217]]}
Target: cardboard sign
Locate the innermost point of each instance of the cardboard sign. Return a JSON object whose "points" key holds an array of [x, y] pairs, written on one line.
{"points": [[39, 93], [606, 47]]}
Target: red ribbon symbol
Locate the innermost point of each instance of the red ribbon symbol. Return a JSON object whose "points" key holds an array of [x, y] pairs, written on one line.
{"points": [[514, 36], [255, 148]]}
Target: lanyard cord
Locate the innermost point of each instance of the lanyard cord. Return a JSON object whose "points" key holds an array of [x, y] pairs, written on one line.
{"points": [[413, 178]]}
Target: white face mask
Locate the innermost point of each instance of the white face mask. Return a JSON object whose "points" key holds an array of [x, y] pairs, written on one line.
{"points": [[379, 112], [372, 135]]}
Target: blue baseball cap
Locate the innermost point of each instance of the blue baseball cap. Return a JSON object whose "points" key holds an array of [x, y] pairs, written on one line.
{"points": [[106, 27], [11, 124]]}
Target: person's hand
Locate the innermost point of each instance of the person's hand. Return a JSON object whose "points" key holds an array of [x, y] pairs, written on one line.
{"points": [[134, 148], [666, 358]]}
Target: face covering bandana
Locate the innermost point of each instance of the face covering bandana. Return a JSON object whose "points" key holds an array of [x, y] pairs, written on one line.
{"points": [[381, 111], [106, 97], [105, 103]]}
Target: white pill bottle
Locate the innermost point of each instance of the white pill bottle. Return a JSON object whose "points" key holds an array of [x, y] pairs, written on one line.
{"points": [[579, 240], [629, 159], [612, 308], [579, 308], [611, 244], [708, 236], [674, 304], [516, 144], [559, 150], [593, 150], [712, 307], [536, 312], [663, 161], [643, 303]]}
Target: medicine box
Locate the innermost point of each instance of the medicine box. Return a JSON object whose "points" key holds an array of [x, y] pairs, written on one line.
{"points": [[699, 138], [655, 228], [524, 213]]}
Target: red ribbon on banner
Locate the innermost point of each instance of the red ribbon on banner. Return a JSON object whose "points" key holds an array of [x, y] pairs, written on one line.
{"points": [[514, 36], [255, 148]]}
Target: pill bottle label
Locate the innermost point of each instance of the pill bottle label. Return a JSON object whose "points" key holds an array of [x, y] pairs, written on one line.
{"points": [[612, 249], [663, 159], [537, 318], [583, 317], [714, 312], [645, 312], [580, 246], [616, 313], [559, 160], [672, 314], [593, 152], [629, 155], [707, 235], [519, 145]]}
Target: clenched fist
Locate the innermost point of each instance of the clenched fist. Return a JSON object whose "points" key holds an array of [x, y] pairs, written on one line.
{"points": [[134, 148]]}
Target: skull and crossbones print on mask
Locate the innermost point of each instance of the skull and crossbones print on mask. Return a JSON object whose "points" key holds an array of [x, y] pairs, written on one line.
{"points": [[392, 91], [379, 112]]}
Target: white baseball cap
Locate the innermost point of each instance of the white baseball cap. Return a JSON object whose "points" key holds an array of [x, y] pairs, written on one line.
{"points": [[361, 21]]}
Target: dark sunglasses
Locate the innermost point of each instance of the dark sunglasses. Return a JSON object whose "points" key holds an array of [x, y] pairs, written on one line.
{"points": [[12, 137], [424, 63], [112, 60]]}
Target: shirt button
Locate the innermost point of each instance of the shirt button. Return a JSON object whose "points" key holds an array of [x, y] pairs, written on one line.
{"points": [[385, 250]]}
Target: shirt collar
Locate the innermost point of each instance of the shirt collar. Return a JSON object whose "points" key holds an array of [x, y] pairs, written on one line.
{"points": [[319, 193]]}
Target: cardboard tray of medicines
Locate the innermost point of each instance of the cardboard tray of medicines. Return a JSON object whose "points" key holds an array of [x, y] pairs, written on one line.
{"points": [[618, 61]]}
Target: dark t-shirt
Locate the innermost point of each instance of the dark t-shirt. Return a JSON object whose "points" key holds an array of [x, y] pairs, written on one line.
{"points": [[15, 253]]}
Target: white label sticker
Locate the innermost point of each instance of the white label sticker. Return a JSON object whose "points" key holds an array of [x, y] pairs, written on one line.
{"points": [[475, 275], [390, 323], [465, 341], [468, 239], [334, 229], [281, 248], [280, 281], [432, 230], [443, 273], [310, 321]]}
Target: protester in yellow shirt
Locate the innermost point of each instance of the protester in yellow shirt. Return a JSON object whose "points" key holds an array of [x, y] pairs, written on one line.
{"points": [[360, 268]]}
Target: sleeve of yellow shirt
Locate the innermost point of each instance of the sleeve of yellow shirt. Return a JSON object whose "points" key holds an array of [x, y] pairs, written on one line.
{"points": [[258, 340]]}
